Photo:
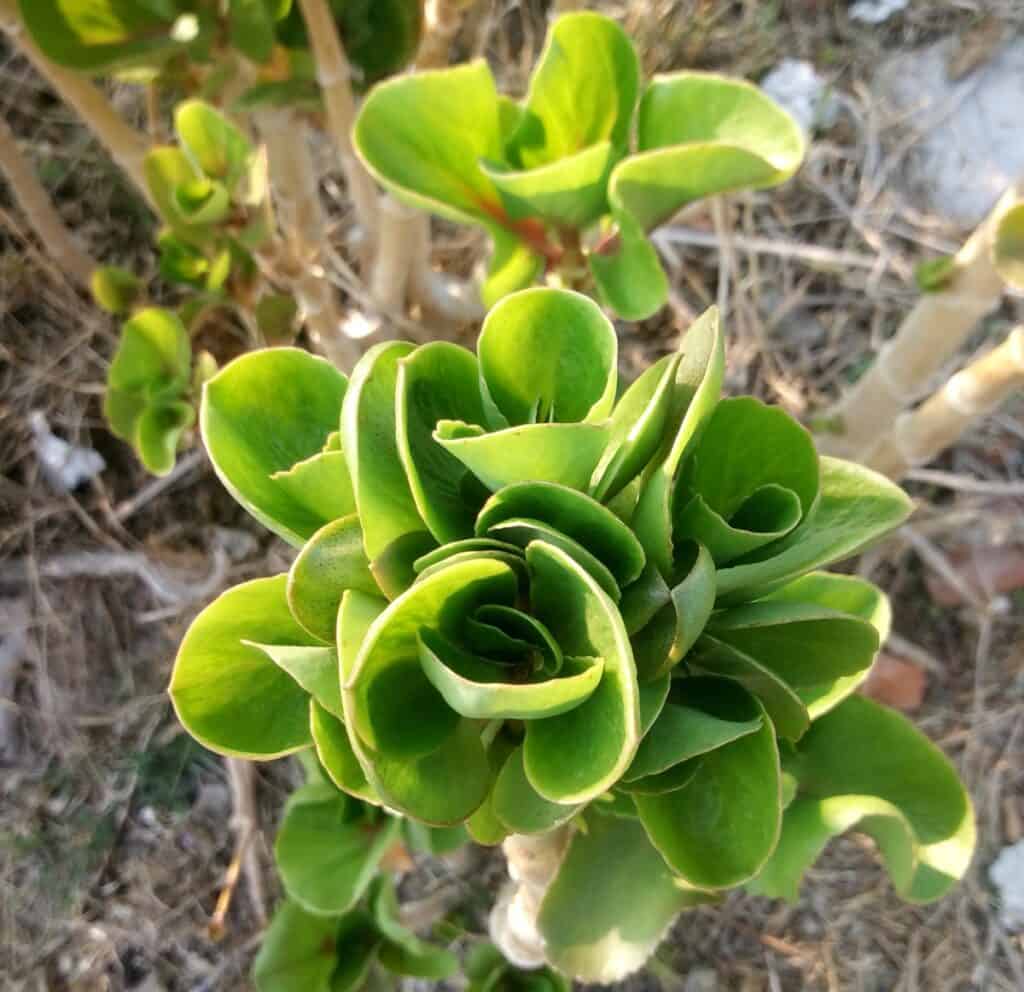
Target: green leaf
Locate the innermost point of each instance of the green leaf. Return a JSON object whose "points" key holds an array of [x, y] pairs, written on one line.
{"points": [[214, 145], [330, 562], [484, 826], [548, 355], [570, 192], [847, 594], [321, 484], [202, 201], [519, 806], [260, 415], [298, 952], [422, 136], [313, 668], [229, 695], [637, 427], [800, 642], [326, 851], [98, 36], [402, 951], [571, 514], [158, 433], [180, 261], [1008, 246], [759, 493], [165, 169], [513, 266], [387, 509], [434, 768], [692, 722], [698, 134], [719, 829], [562, 453], [866, 766], [602, 734], [698, 383], [251, 27], [276, 317], [582, 92], [855, 507], [438, 381], [475, 688], [358, 943], [114, 289], [935, 274], [334, 750], [154, 355], [611, 903]]}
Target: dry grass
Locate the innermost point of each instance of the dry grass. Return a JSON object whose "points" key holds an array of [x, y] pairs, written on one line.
{"points": [[113, 838]]}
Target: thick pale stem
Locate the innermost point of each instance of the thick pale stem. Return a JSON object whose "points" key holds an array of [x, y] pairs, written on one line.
{"points": [[533, 862], [931, 333], [398, 243], [126, 146], [442, 19], [334, 75], [38, 208], [300, 215], [920, 435]]}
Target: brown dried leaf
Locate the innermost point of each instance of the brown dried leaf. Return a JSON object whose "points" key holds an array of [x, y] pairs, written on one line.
{"points": [[896, 683]]}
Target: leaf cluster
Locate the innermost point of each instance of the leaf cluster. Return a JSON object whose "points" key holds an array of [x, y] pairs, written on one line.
{"points": [[524, 599], [571, 179]]}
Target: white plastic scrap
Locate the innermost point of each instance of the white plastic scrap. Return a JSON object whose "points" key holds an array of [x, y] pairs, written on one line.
{"points": [[876, 11], [796, 85], [65, 466], [1007, 875]]}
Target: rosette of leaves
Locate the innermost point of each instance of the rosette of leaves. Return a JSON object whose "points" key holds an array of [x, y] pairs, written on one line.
{"points": [[523, 598], [211, 193], [571, 180], [150, 386]]}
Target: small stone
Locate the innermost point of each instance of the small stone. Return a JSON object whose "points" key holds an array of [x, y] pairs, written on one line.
{"points": [[798, 87], [1007, 875], [876, 11], [701, 980]]}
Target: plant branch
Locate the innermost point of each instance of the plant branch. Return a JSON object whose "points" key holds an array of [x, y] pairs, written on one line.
{"points": [[920, 435], [442, 20], [301, 219], [125, 145], [934, 329], [334, 74], [35, 203]]}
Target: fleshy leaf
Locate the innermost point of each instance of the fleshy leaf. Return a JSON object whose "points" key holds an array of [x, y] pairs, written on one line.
{"points": [[114, 289], [573, 514], [513, 266], [689, 726], [260, 415], [611, 902], [434, 768], [313, 668], [602, 734], [326, 851], [855, 507], [719, 829], [298, 952], [215, 146], [636, 428], [386, 506], [548, 355], [154, 355], [562, 453], [252, 29], [851, 758], [474, 687], [159, 432], [403, 952], [439, 381], [518, 805], [331, 561], [229, 695], [422, 136], [759, 493], [847, 594], [334, 750]]}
